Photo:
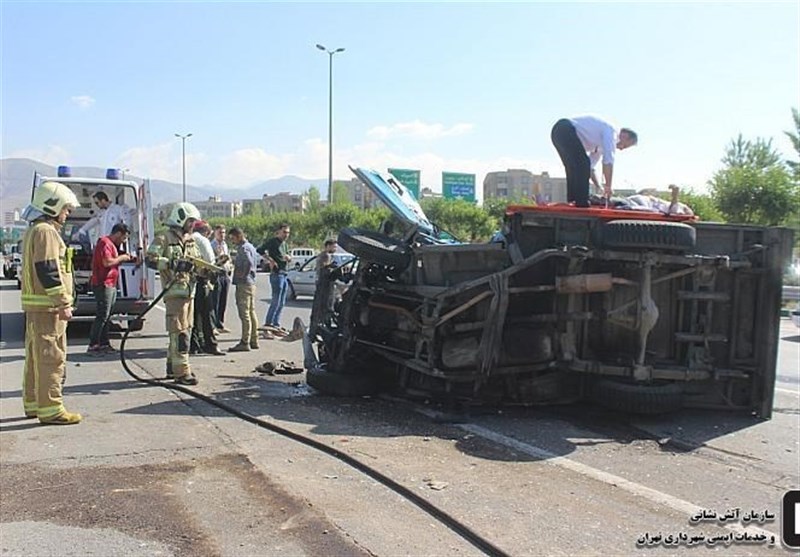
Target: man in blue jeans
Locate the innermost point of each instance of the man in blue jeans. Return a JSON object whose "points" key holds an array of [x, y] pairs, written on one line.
{"points": [[105, 271], [276, 251]]}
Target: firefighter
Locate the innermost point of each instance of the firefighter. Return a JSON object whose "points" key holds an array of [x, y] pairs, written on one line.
{"points": [[169, 254], [47, 300]]}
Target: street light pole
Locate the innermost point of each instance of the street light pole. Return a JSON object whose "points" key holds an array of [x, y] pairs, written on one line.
{"points": [[330, 117], [183, 139], [124, 170]]}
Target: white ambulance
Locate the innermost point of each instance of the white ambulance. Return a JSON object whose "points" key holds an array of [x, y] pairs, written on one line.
{"points": [[136, 285]]}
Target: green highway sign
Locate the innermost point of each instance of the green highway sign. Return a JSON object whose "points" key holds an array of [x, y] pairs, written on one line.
{"points": [[458, 186], [409, 178]]}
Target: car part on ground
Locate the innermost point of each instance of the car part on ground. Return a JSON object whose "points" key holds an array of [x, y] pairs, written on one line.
{"points": [[643, 316]]}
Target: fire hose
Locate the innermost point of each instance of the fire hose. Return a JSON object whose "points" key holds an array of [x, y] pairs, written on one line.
{"points": [[440, 515]]}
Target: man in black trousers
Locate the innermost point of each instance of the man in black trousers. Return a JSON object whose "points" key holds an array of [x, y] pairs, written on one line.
{"points": [[581, 142]]}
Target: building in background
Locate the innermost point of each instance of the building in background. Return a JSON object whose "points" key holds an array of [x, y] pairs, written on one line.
{"points": [[523, 184], [284, 202], [215, 207], [428, 193], [358, 194]]}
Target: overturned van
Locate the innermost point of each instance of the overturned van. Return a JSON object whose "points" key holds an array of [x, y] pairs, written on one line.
{"points": [[135, 288], [644, 313]]}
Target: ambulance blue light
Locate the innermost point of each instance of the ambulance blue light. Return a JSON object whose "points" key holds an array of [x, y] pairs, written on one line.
{"points": [[64, 172], [112, 174]]}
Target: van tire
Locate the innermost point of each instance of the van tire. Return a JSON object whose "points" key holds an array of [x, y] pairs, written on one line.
{"points": [[634, 398], [648, 234], [135, 325], [375, 247]]}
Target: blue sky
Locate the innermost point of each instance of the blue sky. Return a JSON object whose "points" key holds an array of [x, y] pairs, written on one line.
{"points": [[464, 87]]}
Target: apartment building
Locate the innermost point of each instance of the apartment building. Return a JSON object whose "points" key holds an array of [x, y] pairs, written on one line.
{"points": [[523, 184]]}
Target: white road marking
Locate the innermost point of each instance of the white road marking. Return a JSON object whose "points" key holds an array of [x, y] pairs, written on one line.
{"points": [[790, 391], [684, 507]]}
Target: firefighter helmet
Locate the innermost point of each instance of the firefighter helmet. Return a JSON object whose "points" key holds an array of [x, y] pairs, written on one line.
{"points": [[51, 197], [182, 212]]}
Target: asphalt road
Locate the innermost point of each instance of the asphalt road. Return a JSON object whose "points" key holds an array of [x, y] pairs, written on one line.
{"points": [[154, 472]]}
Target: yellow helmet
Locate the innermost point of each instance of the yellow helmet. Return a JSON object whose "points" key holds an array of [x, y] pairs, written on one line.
{"points": [[182, 212], [51, 197]]}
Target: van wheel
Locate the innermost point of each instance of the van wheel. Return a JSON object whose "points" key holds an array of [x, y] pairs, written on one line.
{"points": [[634, 398], [342, 384], [135, 325], [645, 234], [376, 247]]}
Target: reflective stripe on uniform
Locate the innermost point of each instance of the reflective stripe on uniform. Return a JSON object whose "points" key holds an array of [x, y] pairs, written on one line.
{"points": [[50, 411], [30, 407], [56, 290], [36, 300]]}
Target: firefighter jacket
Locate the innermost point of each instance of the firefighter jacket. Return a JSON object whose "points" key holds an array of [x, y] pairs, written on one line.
{"points": [[162, 254], [47, 284]]}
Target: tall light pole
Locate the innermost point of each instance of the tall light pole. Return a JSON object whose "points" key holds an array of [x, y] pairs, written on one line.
{"points": [[183, 139], [330, 118], [124, 170]]}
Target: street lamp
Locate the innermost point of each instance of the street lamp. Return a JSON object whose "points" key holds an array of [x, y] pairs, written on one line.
{"points": [[183, 139], [124, 170], [330, 118]]}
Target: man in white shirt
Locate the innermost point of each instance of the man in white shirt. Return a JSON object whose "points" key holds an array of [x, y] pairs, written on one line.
{"points": [[581, 142], [109, 214]]}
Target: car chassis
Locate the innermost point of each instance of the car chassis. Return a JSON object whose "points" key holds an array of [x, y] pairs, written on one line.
{"points": [[642, 316]]}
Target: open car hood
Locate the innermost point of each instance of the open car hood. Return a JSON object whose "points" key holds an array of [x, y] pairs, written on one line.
{"points": [[397, 198]]}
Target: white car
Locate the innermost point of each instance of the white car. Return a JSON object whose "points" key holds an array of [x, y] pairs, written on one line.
{"points": [[303, 280]]}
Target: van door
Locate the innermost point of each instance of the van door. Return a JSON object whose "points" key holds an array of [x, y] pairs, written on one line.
{"points": [[146, 232]]}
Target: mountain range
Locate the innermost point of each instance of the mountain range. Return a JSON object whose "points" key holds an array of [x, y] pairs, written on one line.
{"points": [[16, 178]]}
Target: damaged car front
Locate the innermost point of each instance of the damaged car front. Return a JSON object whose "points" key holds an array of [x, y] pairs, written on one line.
{"points": [[643, 316]]}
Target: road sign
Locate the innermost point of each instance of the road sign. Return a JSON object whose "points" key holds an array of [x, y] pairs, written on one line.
{"points": [[409, 178], [458, 186]]}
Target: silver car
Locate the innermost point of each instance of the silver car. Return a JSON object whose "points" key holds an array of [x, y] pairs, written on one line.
{"points": [[303, 280]]}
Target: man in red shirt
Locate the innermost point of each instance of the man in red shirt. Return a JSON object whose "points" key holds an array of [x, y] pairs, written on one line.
{"points": [[105, 272]]}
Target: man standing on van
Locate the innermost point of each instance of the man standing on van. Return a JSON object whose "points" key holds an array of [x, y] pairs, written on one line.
{"points": [[47, 298], [244, 279], [276, 251], [581, 142], [105, 273]]}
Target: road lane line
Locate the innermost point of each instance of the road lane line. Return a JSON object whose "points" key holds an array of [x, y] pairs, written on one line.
{"points": [[682, 506], [790, 391]]}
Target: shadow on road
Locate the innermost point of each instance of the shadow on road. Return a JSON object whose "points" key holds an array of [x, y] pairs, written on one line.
{"points": [[562, 428]]}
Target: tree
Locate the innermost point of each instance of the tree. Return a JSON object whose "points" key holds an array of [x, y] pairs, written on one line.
{"points": [[495, 207], [754, 195], [314, 196], [340, 195], [703, 205], [758, 154], [463, 219], [794, 137], [756, 187], [337, 216]]}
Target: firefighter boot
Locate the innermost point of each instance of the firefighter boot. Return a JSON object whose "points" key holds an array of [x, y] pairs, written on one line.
{"points": [[63, 418]]}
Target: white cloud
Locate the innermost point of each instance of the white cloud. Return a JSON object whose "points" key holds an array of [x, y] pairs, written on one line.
{"points": [[82, 101], [245, 166], [418, 130], [53, 155], [157, 162]]}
